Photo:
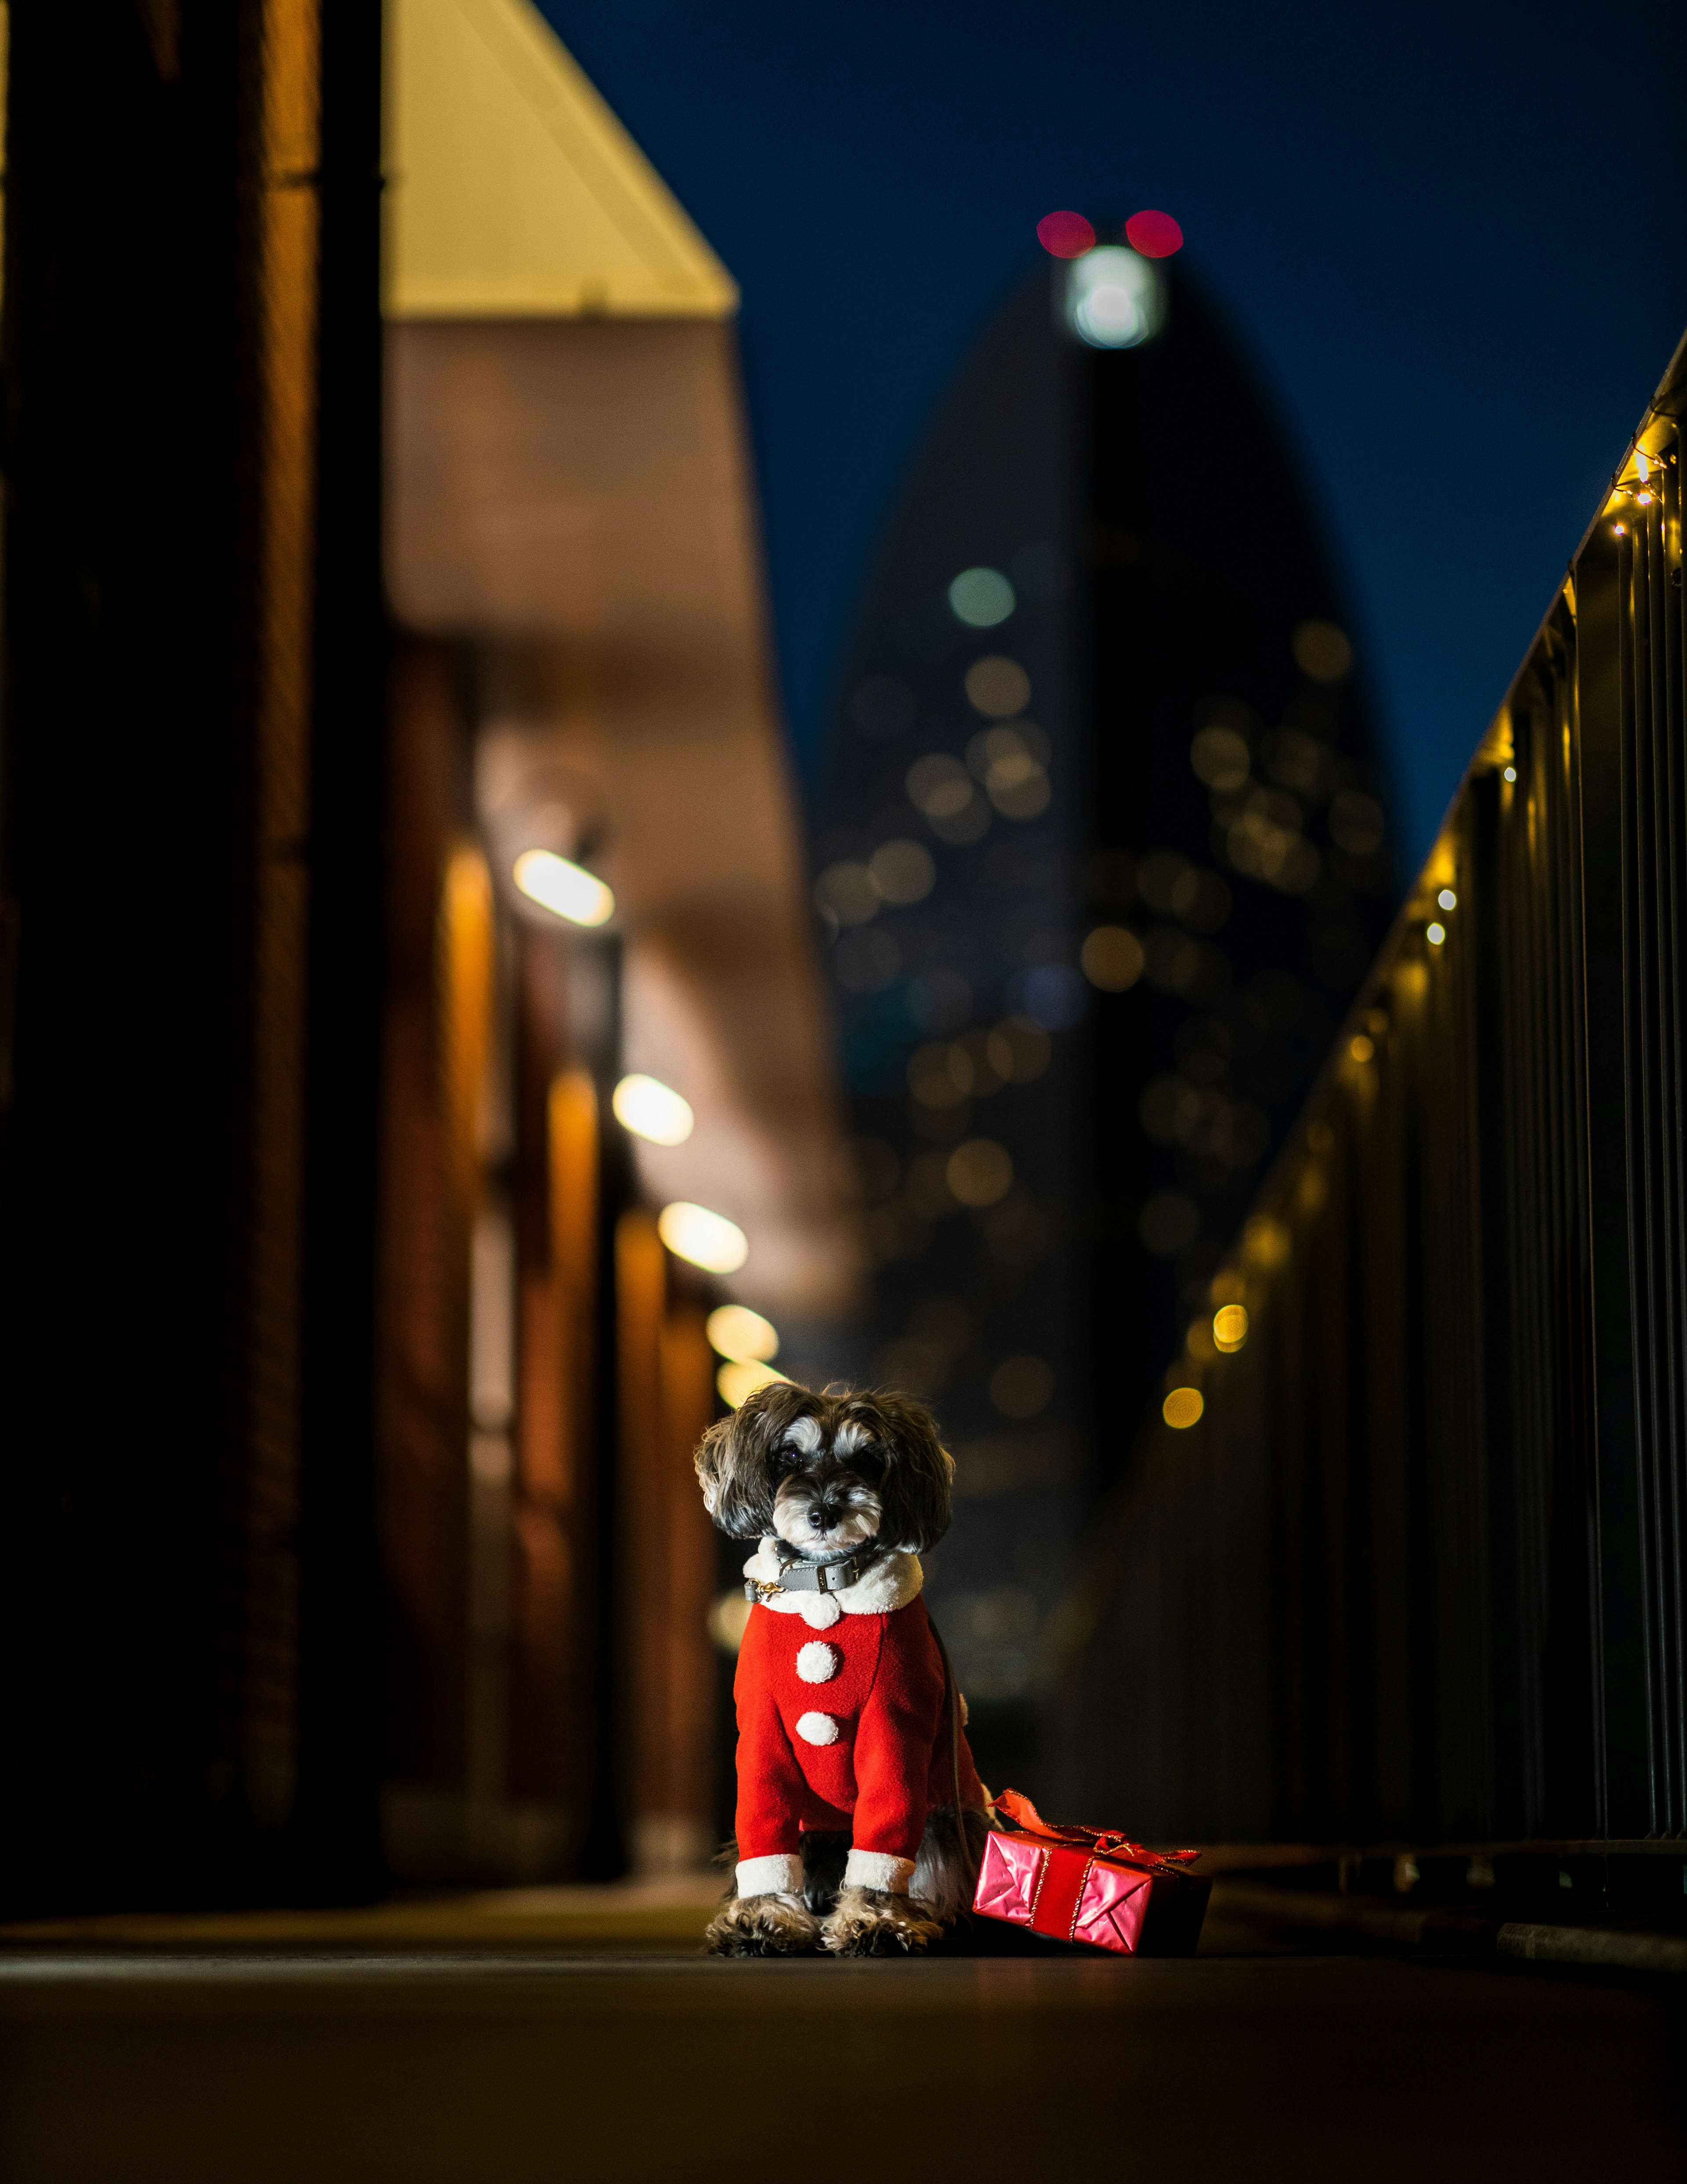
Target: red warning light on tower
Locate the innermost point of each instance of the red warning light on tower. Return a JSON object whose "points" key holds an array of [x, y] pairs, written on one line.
{"points": [[1066, 234], [1152, 234]]}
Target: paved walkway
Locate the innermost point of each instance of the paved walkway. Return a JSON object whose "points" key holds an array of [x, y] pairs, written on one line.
{"points": [[412, 2044]]}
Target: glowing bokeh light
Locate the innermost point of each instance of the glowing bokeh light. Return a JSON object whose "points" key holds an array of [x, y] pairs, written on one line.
{"points": [[1230, 1326], [1112, 958], [567, 891], [1182, 1408], [1447, 899], [997, 686], [741, 1335], [1066, 234], [981, 598], [650, 1109], [1360, 1048], [1113, 299], [708, 1240], [1434, 934], [1322, 651], [1154, 234], [902, 872], [980, 1172], [740, 1378], [847, 891]]}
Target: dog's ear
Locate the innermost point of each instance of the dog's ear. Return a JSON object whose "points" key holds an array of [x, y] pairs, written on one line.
{"points": [[735, 1460], [919, 1473]]}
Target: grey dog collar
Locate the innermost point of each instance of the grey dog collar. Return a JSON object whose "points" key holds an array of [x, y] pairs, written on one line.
{"points": [[834, 1576]]}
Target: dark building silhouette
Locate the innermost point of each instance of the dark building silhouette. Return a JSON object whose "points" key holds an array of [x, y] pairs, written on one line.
{"points": [[1103, 858], [1236, 827]]}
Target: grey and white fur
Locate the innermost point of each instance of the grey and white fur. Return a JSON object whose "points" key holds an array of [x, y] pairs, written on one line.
{"points": [[826, 1473]]}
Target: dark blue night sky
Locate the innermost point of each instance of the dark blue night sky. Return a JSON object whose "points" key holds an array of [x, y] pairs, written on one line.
{"points": [[1452, 238]]}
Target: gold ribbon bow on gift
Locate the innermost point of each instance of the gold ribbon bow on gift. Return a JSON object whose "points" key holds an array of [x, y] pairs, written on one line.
{"points": [[1025, 1820]]}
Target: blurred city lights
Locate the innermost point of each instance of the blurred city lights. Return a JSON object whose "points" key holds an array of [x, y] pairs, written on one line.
{"points": [[1643, 468], [1154, 234], [998, 686], [1510, 773], [1051, 995], [848, 892], [902, 872], [1016, 783], [1434, 934], [708, 1240], [1112, 958], [1181, 1408], [741, 1335], [566, 889], [1359, 1047], [980, 1172], [1447, 899], [1230, 1326], [1066, 234], [740, 1378], [941, 1076], [650, 1109], [981, 598], [1322, 651], [1015, 739], [1113, 299], [1018, 1049], [938, 785], [1221, 758]]}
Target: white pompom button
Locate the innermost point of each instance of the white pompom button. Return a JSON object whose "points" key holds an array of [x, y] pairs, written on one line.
{"points": [[817, 1729], [818, 1662]]}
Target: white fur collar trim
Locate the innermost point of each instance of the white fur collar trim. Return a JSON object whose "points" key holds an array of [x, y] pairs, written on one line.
{"points": [[894, 1580]]}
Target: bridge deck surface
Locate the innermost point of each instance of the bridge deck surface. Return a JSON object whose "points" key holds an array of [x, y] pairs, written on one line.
{"points": [[412, 2044]]}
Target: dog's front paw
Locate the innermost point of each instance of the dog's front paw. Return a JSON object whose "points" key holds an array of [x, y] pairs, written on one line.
{"points": [[763, 1926], [871, 1922]]}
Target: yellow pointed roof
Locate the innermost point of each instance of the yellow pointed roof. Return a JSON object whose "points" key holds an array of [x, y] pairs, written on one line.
{"points": [[513, 192]]}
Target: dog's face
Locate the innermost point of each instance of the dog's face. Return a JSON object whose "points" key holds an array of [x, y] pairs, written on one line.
{"points": [[827, 1472]]}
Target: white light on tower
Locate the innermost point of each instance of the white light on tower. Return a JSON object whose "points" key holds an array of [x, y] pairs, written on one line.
{"points": [[708, 1240], [650, 1109], [567, 891], [1114, 298]]}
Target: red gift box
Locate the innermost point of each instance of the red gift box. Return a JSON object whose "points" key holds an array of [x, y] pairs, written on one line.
{"points": [[1088, 1885]]}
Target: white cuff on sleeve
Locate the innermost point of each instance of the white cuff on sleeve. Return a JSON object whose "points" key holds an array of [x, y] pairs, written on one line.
{"points": [[780, 1875], [877, 1869]]}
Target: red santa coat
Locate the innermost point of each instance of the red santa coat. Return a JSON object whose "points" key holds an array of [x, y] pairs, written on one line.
{"points": [[843, 1726]]}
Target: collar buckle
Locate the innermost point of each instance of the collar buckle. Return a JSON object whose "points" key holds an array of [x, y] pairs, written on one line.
{"points": [[798, 1576]]}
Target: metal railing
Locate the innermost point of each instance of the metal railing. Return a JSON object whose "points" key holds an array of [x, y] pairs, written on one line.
{"points": [[1416, 1570]]}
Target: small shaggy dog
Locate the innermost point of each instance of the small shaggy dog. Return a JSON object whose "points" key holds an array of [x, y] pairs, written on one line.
{"points": [[861, 1818]]}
